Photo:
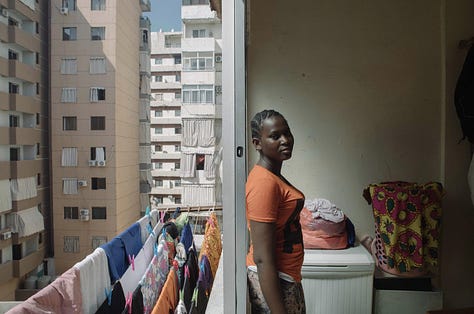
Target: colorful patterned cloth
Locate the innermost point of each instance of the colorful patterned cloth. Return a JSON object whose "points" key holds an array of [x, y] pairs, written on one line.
{"points": [[407, 221], [212, 245]]}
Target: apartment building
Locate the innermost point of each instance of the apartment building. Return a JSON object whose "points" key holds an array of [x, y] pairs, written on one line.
{"points": [[201, 110], [165, 115], [99, 105], [24, 192]]}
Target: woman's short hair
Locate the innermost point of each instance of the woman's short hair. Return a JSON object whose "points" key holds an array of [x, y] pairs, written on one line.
{"points": [[257, 121]]}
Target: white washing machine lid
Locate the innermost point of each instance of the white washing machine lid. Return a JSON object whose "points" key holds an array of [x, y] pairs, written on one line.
{"points": [[351, 259]]}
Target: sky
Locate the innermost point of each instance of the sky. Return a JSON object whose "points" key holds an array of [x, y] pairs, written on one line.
{"points": [[165, 15]]}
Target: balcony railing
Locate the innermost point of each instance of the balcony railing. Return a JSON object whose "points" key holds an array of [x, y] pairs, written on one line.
{"points": [[166, 156], [28, 263], [166, 173], [166, 120]]}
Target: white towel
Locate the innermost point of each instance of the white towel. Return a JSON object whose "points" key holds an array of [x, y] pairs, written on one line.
{"points": [[322, 208], [95, 278]]}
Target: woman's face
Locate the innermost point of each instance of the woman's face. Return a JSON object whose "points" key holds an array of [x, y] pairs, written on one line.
{"points": [[276, 141]]}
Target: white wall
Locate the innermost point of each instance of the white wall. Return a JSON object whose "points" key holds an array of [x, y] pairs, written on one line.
{"points": [[362, 85]]}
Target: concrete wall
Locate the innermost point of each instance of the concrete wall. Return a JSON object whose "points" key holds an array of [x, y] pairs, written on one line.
{"points": [[367, 89]]}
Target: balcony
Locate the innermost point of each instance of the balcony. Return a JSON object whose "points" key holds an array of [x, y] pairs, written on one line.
{"points": [[208, 110], [23, 9], [4, 70], [27, 264], [7, 242], [165, 103], [6, 272], [145, 5], [4, 169], [28, 203], [166, 68], [199, 44], [24, 39], [166, 173], [166, 120], [3, 32], [22, 103], [198, 13], [24, 136], [166, 156], [166, 191], [145, 22], [25, 168], [162, 138], [165, 85], [4, 101], [24, 71], [4, 136]]}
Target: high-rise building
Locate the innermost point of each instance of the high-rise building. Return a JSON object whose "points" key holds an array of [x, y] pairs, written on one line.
{"points": [[186, 110], [99, 139], [24, 175]]}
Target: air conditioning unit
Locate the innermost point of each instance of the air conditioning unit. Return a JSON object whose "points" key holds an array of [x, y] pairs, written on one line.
{"points": [[92, 163], [84, 214], [82, 183], [5, 235], [64, 11], [101, 163], [218, 89], [218, 58], [4, 12]]}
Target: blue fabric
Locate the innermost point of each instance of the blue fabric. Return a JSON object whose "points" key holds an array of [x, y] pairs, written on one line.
{"points": [[132, 240], [350, 232], [187, 237], [117, 260]]}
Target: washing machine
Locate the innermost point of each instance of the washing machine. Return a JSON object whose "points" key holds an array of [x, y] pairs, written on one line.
{"points": [[338, 281]]}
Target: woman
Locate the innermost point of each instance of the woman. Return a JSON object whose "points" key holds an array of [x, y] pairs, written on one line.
{"points": [[273, 206]]}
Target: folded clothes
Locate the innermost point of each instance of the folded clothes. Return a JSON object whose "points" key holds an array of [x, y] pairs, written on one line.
{"points": [[323, 208]]}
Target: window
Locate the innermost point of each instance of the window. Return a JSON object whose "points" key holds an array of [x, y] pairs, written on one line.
{"points": [[98, 241], [13, 88], [159, 130], [69, 157], [99, 212], [177, 60], [97, 94], [158, 113], [158, 61], [70, 186], [14, 153], [177, 113], [198, 61], [71, 212], [38, 149], [69, 33], [14, 121], [177, 183], [177, 165], [68, 66], [98, 33], [98, 153], [158, 96], [71, 244], [97, 123], [177, 95], [37, 57], [12, 55], [159, 199], [37, 88], [159, 165], [97, 5], [69, 94], [194, 2], [70, 4], [158, 148], [157, 78], [69, 123], [97, 65], [144, 36], [12, 21], [178, 78], [37, 118], [37, 28], [38, 179], [177, 148], [98, 183], [200, 161], [198, 94], [158, 183], [177, 200], [199, 33], [177, 130]]}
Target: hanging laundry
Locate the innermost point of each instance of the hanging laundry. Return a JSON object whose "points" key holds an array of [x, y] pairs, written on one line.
{"points": [[115, 303], [212, 244], [168, 299]]}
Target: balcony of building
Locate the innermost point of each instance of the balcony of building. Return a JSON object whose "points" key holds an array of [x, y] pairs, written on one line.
{"points": [[198, 44], [164, 137], [165, 85], [22, 103], [162, 190], [145, 5], [175, 173], [165, 103], [23, 38], [24, 136], [25, 168], [165, 156], [4, 101], [192, 76], [6, 272], [166, 120], [28, 263], [27, 203], [4, 67], [198, 13], [166, 68], [145, 22], [3, 32], [24, 71], [208, 110], [4, 135], [4, 170], [23, 9]]}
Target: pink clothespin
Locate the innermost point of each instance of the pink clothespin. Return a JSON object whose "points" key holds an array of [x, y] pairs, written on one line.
{"points": [[128, 303], [162, 217], [186, 271], [131, 261]]}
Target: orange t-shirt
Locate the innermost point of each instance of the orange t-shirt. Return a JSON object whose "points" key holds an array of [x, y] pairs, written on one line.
{"points": [[272, 200]]}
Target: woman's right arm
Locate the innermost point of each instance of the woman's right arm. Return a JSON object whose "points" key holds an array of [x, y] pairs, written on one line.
{"points": [[263, 240]]}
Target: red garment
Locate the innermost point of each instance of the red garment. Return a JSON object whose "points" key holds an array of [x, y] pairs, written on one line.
{"points": [[270, 199]]}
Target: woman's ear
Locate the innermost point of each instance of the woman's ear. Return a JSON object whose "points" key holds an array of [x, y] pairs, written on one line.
{"points": [[256, 143]]}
